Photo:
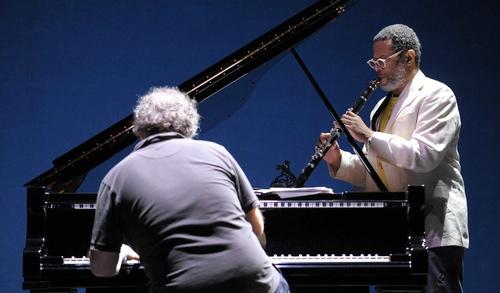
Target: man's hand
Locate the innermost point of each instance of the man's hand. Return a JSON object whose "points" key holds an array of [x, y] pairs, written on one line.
{"points": [[357, 128], [333, 156], [127, 253], [106, 263]]}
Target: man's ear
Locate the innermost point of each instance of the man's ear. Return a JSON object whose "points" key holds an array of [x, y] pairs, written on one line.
{"points": [[410, 56]]}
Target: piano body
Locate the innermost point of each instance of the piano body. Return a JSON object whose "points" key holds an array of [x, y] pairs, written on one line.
{"points": [[348, 239]]}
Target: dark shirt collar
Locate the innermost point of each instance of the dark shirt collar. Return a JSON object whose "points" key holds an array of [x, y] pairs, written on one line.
{"points": [[157, 138]]}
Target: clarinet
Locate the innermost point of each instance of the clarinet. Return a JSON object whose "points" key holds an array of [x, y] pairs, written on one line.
{"points": [[335, 132]]}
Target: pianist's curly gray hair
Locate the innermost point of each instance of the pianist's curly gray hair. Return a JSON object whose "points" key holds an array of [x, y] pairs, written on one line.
{"points": [[403, 38], [165, 109]]}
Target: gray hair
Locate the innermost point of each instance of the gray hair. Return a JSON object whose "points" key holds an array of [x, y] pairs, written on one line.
{"points": [[403, 38], [165, 109]]}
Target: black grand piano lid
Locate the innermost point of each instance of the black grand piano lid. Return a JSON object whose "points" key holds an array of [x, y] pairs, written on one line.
{"points": [[226, 102], [230, 80], [214, 110]]}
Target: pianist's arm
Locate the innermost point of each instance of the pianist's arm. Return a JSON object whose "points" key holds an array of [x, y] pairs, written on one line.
{"points": [[107, 264], [254, 216]]}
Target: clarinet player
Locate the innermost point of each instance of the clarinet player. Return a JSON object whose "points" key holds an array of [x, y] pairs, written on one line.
{"points": [[412, 140]]}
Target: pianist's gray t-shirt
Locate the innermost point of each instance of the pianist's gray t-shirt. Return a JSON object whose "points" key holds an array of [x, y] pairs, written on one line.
{"points": [[181, 204]]}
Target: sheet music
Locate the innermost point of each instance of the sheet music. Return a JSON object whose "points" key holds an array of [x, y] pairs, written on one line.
{"points": [[290, 192]]}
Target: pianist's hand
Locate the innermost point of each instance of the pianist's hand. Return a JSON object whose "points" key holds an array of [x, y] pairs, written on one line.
{"points": [[127, 253]]}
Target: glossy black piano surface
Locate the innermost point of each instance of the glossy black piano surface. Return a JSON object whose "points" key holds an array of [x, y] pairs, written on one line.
{"points": [[364, 240]]}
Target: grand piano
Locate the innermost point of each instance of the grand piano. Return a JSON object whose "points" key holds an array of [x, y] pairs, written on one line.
{"points": [[341, 240]]}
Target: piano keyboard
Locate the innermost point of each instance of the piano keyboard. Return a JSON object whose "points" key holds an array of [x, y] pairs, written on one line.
{"points": [[71, 206], [85, 261], [316, 259], [276, 259], [267, 204], [321, 204]]}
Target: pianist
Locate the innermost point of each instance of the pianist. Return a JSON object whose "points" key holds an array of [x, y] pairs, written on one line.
{"points": [[184, 205], [413, 140]]}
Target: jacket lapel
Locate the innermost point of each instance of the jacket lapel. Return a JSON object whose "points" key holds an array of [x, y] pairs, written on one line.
{"points": [[408, 95]]}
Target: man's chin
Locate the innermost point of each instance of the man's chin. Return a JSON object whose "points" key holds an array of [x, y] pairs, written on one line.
{"points": [[384, 82], [387, 87]]}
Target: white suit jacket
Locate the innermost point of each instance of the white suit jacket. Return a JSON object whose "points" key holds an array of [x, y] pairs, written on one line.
{"points": [[419, 146]]}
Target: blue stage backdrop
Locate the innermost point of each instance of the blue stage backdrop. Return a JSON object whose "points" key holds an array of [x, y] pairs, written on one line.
{"points": [[69, 69]]}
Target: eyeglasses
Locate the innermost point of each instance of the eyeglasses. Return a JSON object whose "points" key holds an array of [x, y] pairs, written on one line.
{"points": [[380, 63]]}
